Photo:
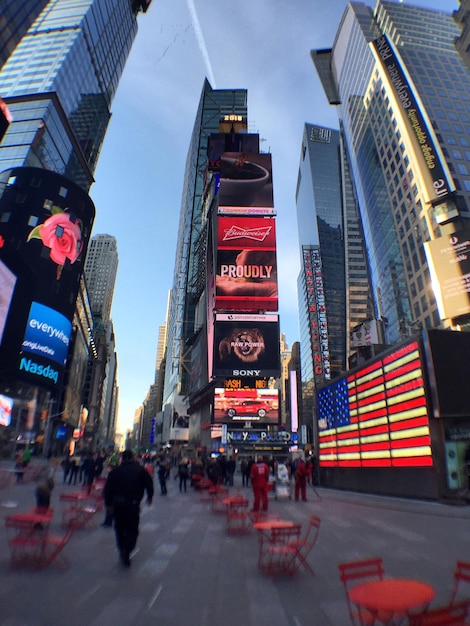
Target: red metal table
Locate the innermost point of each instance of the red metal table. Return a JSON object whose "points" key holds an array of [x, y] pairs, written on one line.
{"points": [[390, 601]]}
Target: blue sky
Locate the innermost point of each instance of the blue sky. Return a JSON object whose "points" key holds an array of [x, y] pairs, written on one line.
{"points": [[260, 45]]}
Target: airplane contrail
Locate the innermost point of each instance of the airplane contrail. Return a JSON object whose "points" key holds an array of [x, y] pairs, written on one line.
{"points": [[201, 42]]}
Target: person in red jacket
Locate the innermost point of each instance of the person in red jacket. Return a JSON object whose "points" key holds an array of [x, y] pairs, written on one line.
{"points": [[259, 476], [301, 474]]}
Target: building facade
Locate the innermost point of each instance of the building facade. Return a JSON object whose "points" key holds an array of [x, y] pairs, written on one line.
{"points": [[399, 209], [191, 254], [101, 266], [61, 67], [402, 92], [333, 284]]}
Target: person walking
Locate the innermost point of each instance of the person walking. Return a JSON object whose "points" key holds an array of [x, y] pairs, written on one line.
{"points": [[259, 476], [123, 492], [162, 477], [231, 466], [301, 474], [183, 473]]}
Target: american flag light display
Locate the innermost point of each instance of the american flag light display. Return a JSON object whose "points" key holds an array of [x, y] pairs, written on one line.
{"points": [[378, 416]]}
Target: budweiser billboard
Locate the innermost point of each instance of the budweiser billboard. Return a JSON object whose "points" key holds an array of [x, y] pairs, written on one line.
{"points": [[246, 269], [246, 345]]}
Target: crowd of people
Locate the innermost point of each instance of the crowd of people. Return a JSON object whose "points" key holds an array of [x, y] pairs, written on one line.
{"points": [[129, 478]]}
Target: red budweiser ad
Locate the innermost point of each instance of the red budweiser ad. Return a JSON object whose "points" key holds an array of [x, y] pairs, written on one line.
{"points": [[246, 268]]}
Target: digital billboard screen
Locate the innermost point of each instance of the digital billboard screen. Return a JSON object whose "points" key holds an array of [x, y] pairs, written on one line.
{"points": [[377, 416], [7, 287], [449, 265], [246, 345], [430, 162], [6, 408], [45, 226], [219, 143], [246, 405], [246, 265], [245, 180]]}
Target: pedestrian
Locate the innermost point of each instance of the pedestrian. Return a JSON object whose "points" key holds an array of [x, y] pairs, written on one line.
{"points": [[301, 474], [162, 477], [259, 476], [214, 473], [74, 467], [45, 485], [89, 468], [123, 492], [66, 467], [231, 465], [183, 473]]}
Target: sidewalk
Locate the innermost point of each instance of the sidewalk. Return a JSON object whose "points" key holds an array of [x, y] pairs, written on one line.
{"points": [[188, 572]]}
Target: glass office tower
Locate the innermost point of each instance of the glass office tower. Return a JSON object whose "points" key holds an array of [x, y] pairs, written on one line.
{"points": [[191, 257], [15, 19], [59, 82], [399, 209], [333, 284]]}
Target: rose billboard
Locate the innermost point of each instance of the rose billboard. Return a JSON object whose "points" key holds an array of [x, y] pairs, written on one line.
{"points": [[45, 225]]}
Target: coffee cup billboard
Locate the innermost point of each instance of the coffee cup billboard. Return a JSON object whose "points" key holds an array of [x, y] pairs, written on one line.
{"points": [[245, 180]]}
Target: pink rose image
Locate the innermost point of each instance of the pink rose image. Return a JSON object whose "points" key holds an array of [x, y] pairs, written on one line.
{"points": [[63, 237]]}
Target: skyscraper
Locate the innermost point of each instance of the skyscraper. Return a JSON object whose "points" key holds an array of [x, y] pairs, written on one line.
{"points": [[405, 115], [189, 272], [333, 284], [65, 59], [15, 20], [101, 267], [59, 82]]}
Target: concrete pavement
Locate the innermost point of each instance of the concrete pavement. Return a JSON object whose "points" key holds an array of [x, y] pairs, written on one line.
{"points": [[188, 572]]}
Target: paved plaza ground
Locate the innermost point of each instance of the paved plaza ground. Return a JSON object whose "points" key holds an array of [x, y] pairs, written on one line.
{"points": [[187, 571]]}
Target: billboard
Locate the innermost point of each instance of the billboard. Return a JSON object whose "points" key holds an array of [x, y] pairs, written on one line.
{"points": [[377, 416], [246, 345], [246, 405], [45, 226], [449, 265], [245, 180], [230, 142], [6, 408], [422, 142], [5, 119], [246, 267]]}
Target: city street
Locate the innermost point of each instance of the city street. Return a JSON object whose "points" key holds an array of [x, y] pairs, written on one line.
{"points": [[187, 571]]}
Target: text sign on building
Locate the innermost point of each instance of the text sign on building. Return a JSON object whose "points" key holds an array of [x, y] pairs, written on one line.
{"points": [[449, 265], [318, 327], [437, 180], [246, 267]]}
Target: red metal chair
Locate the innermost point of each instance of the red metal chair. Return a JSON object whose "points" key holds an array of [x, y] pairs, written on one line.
{"points": [[455, 614], [461, 580], [305, 545], [354, 573], [25, 540], [276, 555], [238, 517], [53, 546]]}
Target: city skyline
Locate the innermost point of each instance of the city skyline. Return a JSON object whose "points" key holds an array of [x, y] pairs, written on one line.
{"points": [[154, 112]]}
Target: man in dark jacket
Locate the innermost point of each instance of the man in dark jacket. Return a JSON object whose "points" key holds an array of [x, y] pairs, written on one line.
{"points": [[123, 493]]}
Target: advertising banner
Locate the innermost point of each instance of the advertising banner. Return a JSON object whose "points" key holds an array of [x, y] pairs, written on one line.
{"points": [[245, 180], [230, 142], [246, 405], [435, 174], [246, 268], [44, 234], [449, 265], [246, 345]]}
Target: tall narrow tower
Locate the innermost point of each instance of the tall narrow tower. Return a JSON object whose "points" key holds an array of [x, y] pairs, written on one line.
{"points": [[101, 267]]}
